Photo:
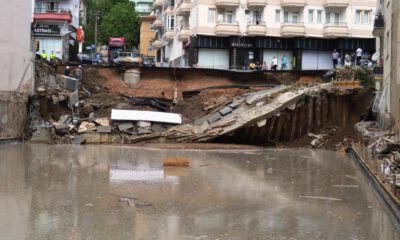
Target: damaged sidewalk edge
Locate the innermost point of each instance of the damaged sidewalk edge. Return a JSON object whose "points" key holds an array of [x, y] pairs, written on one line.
{"points": [[384, 193]]}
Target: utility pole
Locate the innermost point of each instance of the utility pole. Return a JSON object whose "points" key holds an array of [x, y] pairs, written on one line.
{"points": [[95, 29]]}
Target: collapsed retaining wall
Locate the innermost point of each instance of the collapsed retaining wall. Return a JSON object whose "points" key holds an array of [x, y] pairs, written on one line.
{"points": [[13, 114]]}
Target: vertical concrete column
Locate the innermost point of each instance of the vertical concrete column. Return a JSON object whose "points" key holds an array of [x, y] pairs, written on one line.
{"points": [[318, 112], [325, 108], [310, 114]]}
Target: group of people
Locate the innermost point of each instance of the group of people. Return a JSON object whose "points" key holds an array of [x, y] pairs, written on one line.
{"points": [[274, 64], [354, 59], [78, 72], [43, 56]]}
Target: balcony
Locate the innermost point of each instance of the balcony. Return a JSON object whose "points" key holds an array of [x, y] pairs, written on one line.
{"points": [[336, 3], [225, 28], [227, 3], [184, 34], [293, 29], [183, 8], [256, 29], [256, 3], [58, 14], [157, 44], [158, 4], [379, 26], [333, 30], [293, 3], [158, 24], [169, 35]]}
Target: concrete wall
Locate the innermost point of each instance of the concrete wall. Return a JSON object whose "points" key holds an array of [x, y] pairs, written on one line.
{"points": [[16, 71]]}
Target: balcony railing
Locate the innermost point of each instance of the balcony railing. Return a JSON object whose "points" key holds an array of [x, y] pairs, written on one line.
{"points": [[227, 3], [226, 28], [55, 10], [184, 34], [293, 3], [157, 24], [336, 29], [256, 28], [56, 14], [169, 35], [336, 3], [293, 28], [256, 3], [157, 44], [379, 21], [183, 8]]}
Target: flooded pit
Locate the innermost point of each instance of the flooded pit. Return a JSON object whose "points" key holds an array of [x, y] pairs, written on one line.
{"points": [[75, 192]]}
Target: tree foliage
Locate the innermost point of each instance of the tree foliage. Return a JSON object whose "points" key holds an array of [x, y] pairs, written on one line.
{"points": [[115, 18]]}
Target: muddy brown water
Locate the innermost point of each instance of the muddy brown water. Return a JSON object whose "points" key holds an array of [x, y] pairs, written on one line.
{"points": [[74, 192]]}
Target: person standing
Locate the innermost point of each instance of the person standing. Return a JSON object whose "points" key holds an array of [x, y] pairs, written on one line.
{"points": [[284, 62], [335, 58], [78, 73], [252, 66], [52, 56], [274, 63], [359, 53], [43, 55], [67, 71]]}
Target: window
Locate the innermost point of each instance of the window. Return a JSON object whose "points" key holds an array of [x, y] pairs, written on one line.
{"points": [[256, 17], [388, 47], [229, 16], [211, 15], [310, 16], [220, 15], [319, 16], [295, 17], [248, 18], [337, 18], [170, 23], [277, 16], [328, 17], [362, 16], [286, 17], [358, 16]]}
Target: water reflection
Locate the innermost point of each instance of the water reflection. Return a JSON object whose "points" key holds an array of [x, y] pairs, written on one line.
{"points": [[72, 192]]}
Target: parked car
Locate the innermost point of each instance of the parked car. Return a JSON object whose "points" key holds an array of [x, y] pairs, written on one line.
{"points": [[86, 59], [128, 58], [148, 62]]}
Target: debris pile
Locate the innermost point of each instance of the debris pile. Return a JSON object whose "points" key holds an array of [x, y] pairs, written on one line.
{"points": [[383, 145]]}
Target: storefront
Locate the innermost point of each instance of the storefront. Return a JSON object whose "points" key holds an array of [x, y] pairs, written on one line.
{"points": [[301, 53], [49, 38]]}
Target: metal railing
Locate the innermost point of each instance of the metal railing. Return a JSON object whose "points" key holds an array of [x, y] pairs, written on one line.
{"points": [[55, 10], [261, 23], [379, 21], [335, 24], [225, 22], [293, 23]]}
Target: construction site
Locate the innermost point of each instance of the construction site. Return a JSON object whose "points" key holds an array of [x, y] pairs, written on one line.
{"points": [[198, 144]]}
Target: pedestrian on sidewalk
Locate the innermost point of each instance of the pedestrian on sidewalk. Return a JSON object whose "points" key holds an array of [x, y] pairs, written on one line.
{"points": [[67, 71], [252, 66], [78, 73], [335, 58], [274, 63], [264, 66], [284, 62], [359, 53], [43, 55]]}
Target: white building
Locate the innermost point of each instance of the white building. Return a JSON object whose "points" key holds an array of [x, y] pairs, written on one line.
{"points": [[55, 24], [232, 33]]}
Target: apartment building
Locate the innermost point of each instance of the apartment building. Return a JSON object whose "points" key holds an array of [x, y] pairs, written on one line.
{"points": [[386, 28], [55, 24], [146, 36], [230, 34]]}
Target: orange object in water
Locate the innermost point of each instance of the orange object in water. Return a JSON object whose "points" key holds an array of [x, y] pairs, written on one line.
{"points": [[176, 161]]}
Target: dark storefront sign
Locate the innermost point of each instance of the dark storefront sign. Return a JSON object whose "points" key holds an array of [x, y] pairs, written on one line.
{"points": [[37, 31]]}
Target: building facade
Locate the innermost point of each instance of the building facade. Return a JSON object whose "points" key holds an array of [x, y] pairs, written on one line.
{"points": [[55, 24], [147, 35], [230, 34], [387, 30]]}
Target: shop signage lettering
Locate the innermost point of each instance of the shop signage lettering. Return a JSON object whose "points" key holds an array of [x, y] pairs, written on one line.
{"points": [[244, 45], [46, 30]]}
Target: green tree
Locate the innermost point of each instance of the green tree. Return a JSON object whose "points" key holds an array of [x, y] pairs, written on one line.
{"points": [[121, 21]]}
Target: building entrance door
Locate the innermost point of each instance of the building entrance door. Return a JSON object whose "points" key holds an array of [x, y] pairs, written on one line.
{"points": [[245, 56]]}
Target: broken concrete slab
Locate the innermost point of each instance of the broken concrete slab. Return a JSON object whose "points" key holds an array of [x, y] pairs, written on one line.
{"points": [[150, 116], [144, 130], [226, 110], [67, 82], [215, 117], [143, 124], [104, 129], [125, 126], [158, 128], [61, 128], [91, 117], [235, 104], [42, 135], [79, 139], [253, 97], [102, 121], [86, 127]]}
